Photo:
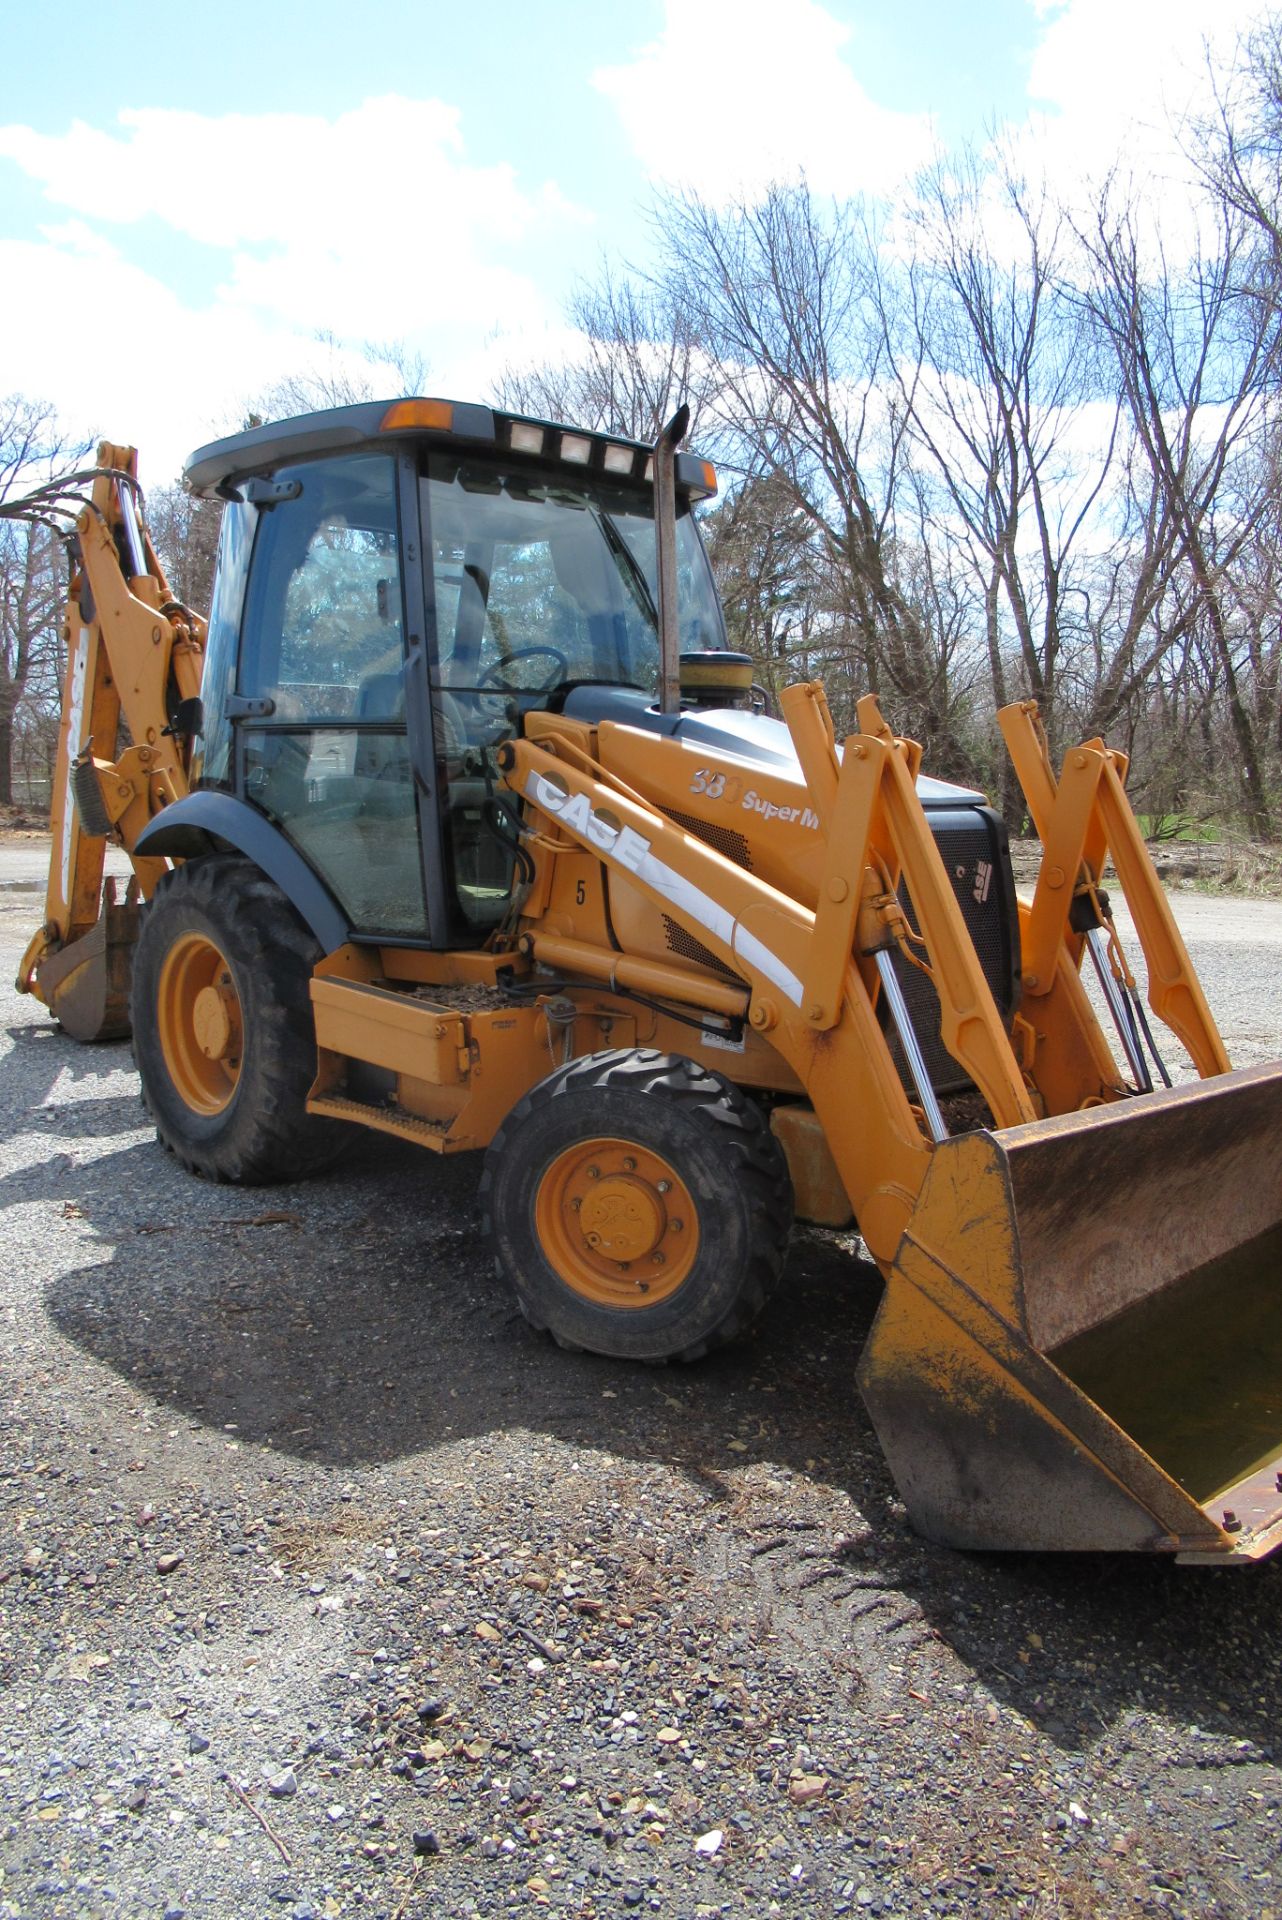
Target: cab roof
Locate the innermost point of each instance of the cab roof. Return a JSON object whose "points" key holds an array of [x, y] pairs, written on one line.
{"points": [[213, 469]]}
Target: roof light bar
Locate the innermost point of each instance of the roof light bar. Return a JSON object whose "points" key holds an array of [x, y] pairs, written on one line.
{"points": [[622, 458]]}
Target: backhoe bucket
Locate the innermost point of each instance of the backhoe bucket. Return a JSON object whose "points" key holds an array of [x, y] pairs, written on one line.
{"points": [[86, 985], [1080, 1345]]}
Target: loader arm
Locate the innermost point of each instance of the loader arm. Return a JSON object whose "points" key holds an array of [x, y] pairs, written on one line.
{"points": [[1081, 820], [1033, 1263], [812, 976], [129, 711]]}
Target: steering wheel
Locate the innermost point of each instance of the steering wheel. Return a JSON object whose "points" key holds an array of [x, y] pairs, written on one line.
{"points": [[525, 653]]}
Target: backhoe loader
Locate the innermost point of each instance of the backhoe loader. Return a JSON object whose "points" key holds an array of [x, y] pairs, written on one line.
{"points": [[458, 820]]}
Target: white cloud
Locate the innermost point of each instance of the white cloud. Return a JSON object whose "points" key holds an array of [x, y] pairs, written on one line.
{"points": [[118, 353], [736, 93], [1118, 82], [373, 225]]}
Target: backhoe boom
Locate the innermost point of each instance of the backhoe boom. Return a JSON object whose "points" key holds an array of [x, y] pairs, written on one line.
{"points": [[130, 699]]}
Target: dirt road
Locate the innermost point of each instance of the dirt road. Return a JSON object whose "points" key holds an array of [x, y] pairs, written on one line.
{"points": [[330, 1590]]}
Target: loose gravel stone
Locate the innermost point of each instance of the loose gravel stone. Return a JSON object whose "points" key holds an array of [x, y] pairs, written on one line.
{"points": [[708, 1615]]}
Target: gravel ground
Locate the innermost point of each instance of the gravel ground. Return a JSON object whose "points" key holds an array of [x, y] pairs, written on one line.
{"points": [[327, 1589]]}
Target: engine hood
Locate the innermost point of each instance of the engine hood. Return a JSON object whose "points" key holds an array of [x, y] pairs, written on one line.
{"points": [[751, 737]]}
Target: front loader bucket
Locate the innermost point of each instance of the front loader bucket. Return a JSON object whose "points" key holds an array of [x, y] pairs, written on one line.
{"points": [[1080, 1345]]}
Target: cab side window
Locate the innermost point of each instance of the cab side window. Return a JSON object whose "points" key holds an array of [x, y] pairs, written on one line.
{"points": [[329, 761], [325, 598]]}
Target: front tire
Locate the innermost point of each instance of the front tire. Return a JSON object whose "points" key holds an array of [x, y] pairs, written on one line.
{"points": [[223, 1031], [639, 1206]]}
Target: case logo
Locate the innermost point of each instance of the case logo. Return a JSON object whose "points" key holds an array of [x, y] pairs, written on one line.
{"points": [[599, 829]]}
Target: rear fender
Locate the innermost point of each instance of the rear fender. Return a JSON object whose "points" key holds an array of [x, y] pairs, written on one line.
{"points": [[205, 822]]}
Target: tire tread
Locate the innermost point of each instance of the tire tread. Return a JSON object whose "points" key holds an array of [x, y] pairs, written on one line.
{"points": [[269, 1135], [760, 1167]]}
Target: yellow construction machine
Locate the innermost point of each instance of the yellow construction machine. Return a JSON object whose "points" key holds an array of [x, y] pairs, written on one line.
{"points": [[458, 821]]}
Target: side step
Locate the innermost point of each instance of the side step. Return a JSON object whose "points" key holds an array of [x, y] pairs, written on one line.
{"points": [[455, 1075], [410, 1126], [424, 1046]]}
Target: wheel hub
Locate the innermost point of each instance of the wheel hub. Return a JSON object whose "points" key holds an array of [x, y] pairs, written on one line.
{"points": [[211, 1023], [617, 1223], [199, 1023], [622, 1218]]}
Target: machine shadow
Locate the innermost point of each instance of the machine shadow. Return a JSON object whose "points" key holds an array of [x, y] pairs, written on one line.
{"points": [[355, 1321]]}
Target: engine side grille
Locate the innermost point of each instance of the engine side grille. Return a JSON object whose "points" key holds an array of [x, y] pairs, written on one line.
{"points": [[691, 949], [721, 839]]}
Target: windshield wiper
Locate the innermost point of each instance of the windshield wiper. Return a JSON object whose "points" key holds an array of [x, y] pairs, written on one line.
{"points": [[628, 566]]}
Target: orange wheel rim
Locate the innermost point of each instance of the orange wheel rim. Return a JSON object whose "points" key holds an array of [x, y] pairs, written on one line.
{"points": [[617, 1223], [199, 1023]]}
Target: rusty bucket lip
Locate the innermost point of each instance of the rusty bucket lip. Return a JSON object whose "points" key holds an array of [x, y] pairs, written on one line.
{"points": [[1247, 1513], [1160, 1183], [1112, 1113], [1249, 1516]]}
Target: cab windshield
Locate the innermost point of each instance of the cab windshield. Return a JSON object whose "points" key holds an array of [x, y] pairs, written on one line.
{"points": [[542, 581]]}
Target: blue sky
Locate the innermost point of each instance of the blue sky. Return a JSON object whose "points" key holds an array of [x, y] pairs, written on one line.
{"points": [[189, 196]]}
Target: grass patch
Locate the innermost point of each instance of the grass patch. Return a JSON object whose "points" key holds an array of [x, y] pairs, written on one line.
{"points": [[1162, 828], [1243, 867]]}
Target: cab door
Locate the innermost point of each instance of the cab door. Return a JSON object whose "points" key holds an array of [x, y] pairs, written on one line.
{"points": [[320, 705]]}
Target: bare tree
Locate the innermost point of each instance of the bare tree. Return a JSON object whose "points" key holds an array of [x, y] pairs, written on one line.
{"points": [[992, 365], [32, 571], [781, 295], [639, 362], [339, 376], [185, 530], [1237, 151], [1195, 358], [762, 552]]}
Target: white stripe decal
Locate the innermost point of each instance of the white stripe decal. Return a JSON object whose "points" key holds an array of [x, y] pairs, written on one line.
{"points": [[687, 898], [634, 855], [766, 961], [75, 727]]}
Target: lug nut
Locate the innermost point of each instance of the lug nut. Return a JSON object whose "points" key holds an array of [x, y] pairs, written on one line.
{"points": [[676, 1226], [660, 1259], [629, 1165], [664, 1186], [594, 1173]]}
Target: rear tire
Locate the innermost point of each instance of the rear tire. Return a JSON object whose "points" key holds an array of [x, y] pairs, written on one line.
{"points": [[639, 1205], [223, 1031]]}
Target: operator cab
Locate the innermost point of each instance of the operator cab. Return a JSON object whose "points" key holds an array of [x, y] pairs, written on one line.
{"points": [[398, 585], [544, 584]]}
